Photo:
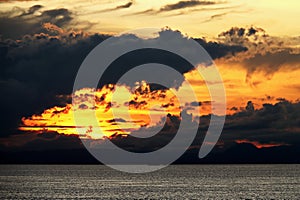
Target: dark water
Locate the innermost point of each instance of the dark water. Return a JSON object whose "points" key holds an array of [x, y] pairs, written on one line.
{"points": [[173, 182]]}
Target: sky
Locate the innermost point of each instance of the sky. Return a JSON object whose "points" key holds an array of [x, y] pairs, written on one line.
{"points": [[196, 18], [255, 44]]}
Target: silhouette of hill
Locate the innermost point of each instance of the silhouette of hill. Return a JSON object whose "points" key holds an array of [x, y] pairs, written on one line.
{"points": [[237, 154]]}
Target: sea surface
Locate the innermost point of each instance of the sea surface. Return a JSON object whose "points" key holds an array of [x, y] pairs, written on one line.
{"points": [[173, 182]]}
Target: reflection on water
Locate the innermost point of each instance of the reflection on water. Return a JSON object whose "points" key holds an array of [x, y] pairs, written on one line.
{"points": [[173, 182]]}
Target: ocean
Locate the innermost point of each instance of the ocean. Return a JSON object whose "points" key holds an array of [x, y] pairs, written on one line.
{"points": [[173, 182]]}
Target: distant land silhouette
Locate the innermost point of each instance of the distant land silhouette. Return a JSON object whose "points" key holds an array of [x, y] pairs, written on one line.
{"points": [[237, 154]]}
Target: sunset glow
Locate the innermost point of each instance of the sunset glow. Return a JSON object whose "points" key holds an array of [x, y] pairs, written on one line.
{"points": [[246, 75], [259, 145], [120, 116]]}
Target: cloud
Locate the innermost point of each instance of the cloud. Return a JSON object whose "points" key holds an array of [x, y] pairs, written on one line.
{"points": [[185, 4], [38, 69], [19, 22], [137, 104], [36, 73], [260, 145], [196, 104], [269, 63], [120, 7], [271, 131], [127, 5], [164, 135], [31, 10], [264, 53], [181, 5], [270, 126], [255, 39], [207, 9], [16, 25], [149, 55], [116, 120], [216, 16], [220, 49]]}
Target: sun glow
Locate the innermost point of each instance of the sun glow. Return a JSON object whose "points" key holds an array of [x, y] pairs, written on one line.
{"points": [[118, 109], [114, 114]]}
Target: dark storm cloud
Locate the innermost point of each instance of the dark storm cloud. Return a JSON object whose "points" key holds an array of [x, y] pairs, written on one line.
{"points": [[38, 71], [273, 128], [270, 63], [150, 55], [185, 4], [276, 124], [17, 23], [264, 53], [256, 40], [219, 50], [163, 137]]}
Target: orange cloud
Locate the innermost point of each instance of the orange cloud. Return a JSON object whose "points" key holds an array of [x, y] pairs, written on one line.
{"points": [[260, 145], [102, 113]]}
